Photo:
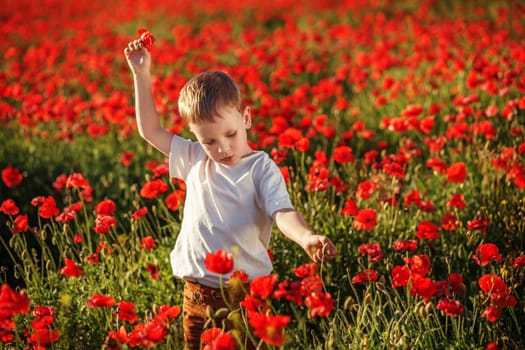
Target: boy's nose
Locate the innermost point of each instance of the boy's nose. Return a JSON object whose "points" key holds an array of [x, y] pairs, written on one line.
{"points": [[223, 148]]}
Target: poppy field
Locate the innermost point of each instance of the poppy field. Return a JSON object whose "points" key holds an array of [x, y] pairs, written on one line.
{"points": [[399, 127]]}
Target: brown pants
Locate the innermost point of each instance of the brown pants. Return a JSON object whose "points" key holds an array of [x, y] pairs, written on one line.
{"points": [[200, 307]]}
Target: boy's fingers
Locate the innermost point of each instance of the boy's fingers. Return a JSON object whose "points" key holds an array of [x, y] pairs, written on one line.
{"points": [[135, 45]]}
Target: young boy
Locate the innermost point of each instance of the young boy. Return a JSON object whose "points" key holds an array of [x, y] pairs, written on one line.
{"points": [[234, 194]]}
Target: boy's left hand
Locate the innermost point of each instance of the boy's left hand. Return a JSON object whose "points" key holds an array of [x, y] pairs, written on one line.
{"points": [[319, 248]]}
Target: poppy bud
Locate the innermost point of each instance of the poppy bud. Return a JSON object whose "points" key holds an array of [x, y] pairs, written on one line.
{"points": [[348, 303], [380, 286], [221, 313], [209, 311], [367, 299], [429, 307]]}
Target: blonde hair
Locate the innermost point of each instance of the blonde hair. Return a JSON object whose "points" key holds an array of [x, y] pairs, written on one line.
{"points": [[203, 94]]}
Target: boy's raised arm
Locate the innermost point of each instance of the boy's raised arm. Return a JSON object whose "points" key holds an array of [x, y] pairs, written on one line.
{"points": [[148, 120]]}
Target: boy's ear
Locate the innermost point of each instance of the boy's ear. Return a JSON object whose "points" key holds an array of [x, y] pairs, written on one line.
{"points": [[247, 117]]}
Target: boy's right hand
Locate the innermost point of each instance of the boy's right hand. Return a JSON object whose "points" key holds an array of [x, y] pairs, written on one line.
{"points": [[138, 57]]}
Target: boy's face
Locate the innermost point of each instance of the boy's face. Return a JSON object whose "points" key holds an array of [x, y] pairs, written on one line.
{"points": [[224, 139]]}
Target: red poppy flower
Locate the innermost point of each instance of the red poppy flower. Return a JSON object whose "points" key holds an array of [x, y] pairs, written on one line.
{"points": [[262, 286], [449, 222], [153, 188], [93, 258], [43, 337], [305, 270], [372, 250], [43, 317], [424, 287], [492, 346], [279, 155], [126, 312], [519, 261], [427, 230], [426, 125], [350, 208], [414, 197], [116, 339], [254, 304], [69, 212], [285, 171], [137, 214], [343, 154], [146, 38], [409, 244], [365, 219], [320, 304], [492, 284], [217, 339], [104, 223], [148, 334], [219, 262], [105, 207], [11, 176], [478, 224], [167, 313], [437, 165], [104, 247], [491, 313], [291, 291], [419, 264], [20, 224], [365, 189], [412, 110], [364, 276], [87, 194], [71, 269], [126, 158], [100, 300], [76, 180], [12, 302], [47, 206], [400, 276], [457, 172], [270, 254], [153, 270], [456, 201], [450, 307], [504, 299], [59, 183], [312, 284], [173, 200], [455, 280], [160, 170], [289, 138], [237, 278], [318, 178], [394, 169], [9, 207], [208, 335], [268, 327], [148, 243], [485, 253]]}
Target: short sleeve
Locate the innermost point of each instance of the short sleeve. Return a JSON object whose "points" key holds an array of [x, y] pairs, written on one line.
{"points": [[184, 154], [271, 189]]}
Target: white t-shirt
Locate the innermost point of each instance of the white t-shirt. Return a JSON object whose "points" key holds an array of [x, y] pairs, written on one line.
{"points": [[226, 207]]}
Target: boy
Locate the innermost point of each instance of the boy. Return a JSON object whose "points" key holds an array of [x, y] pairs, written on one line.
{"points": [[234, 194]]}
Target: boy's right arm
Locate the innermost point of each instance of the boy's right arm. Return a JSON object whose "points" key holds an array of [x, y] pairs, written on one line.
{"points": [[148, 119]]}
